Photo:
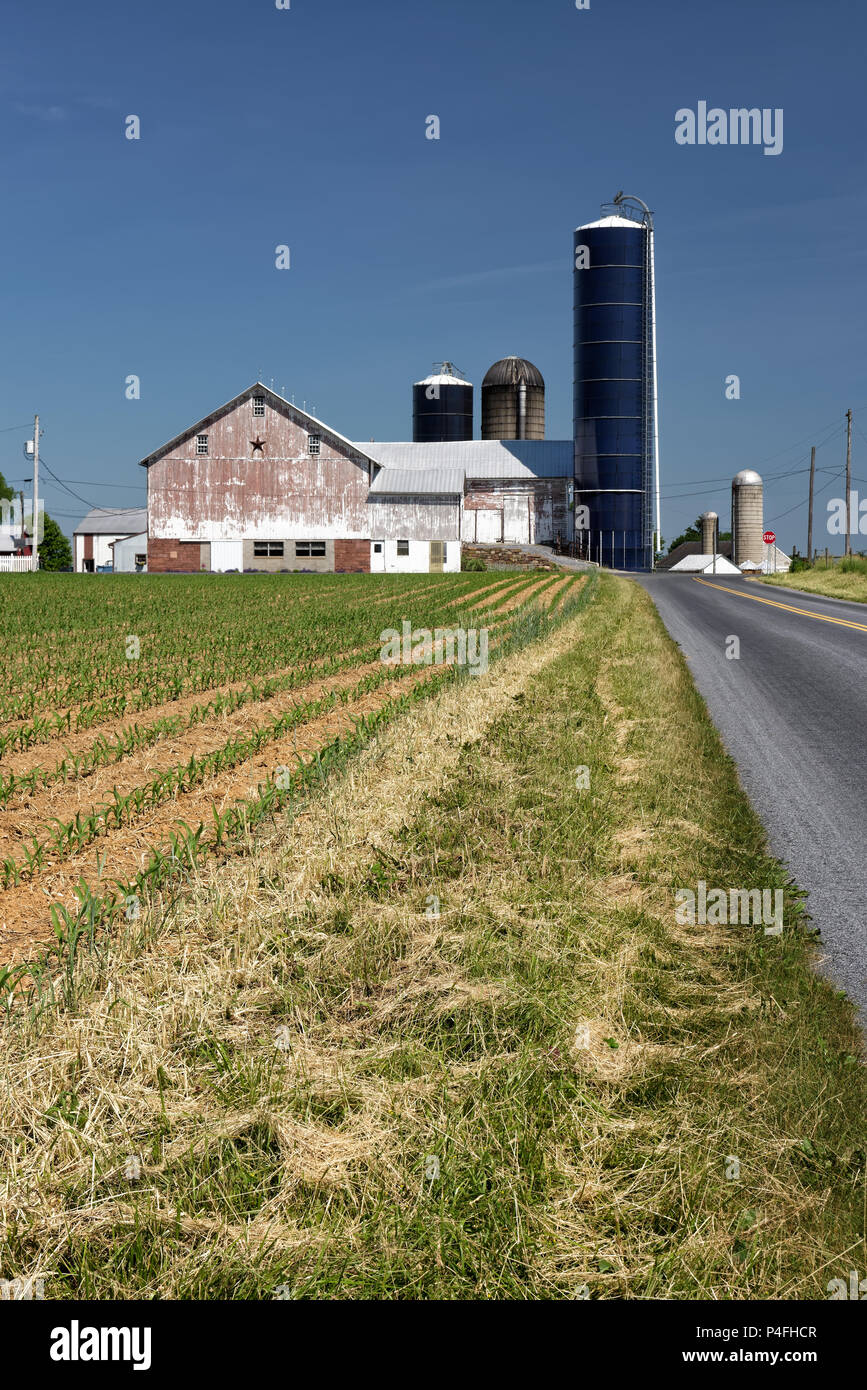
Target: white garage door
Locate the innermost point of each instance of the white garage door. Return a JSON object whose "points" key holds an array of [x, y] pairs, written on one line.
{"points": [[489, 525], [516, 521], [227, 555]]}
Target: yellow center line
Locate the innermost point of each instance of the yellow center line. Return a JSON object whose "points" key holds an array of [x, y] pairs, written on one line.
{"points": [[789, 608]]}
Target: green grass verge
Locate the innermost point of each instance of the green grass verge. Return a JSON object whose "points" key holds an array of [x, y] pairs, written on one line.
{"points": [[844, 578]]}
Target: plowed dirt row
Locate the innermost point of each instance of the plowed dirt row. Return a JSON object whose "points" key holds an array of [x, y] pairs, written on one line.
{"points": [[51, 753], [25, 918], [555, 595], [497, 593], [27, 816], [515, 600]]}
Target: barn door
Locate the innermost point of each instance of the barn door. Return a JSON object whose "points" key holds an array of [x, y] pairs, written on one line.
{"points": [[437, 557]]}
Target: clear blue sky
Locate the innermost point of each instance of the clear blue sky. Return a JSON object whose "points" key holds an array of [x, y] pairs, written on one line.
{"points": [[307, 127]]}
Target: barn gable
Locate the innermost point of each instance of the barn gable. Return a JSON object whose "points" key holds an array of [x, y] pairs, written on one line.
{"points": [[257, 469]]}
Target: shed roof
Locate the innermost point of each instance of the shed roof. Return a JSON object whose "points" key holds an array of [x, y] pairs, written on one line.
{"points": [[481, 458], [113, 521], [437, 481]]}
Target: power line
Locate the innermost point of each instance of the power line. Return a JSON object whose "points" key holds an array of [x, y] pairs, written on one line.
{"points": [[802, 503], [768, 478], [91, 505]]}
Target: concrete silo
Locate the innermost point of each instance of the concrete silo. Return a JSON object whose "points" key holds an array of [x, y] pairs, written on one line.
{"points": [[709, 533], [442, 407], [513, 401], [747, 517], [615, 399]]}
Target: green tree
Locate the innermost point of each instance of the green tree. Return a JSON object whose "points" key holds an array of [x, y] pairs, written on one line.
{"points": [[6, 492], [54, 549], [693, 533]]}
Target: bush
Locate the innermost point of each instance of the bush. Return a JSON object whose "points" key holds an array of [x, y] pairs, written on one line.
{"points": [[471, 563]]}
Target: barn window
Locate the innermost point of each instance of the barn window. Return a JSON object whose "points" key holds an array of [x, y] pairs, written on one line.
{"points": [[267, 547], [258, 405], [314, 442], [377, 547], [311, 548], [403, 547], [201, 443]]}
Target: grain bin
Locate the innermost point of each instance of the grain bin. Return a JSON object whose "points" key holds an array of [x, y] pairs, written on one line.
{"points": [[513, 400], [709, 533], [747, 517], [442, 407]]}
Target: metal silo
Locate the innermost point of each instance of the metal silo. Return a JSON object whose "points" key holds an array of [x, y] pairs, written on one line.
{"points": [[442, 407], [615, 416], [709, 533], [513, 401], [747, 517]]}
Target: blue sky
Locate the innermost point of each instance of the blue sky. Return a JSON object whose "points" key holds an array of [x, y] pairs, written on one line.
{"points": [[306, 127]]}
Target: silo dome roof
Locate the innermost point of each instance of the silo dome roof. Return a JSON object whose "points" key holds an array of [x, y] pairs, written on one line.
{"points": [[443, 379], [709, 516], [509, 371], [747, 477]]}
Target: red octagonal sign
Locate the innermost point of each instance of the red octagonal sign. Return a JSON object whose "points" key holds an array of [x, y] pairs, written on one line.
{"points": [[769, 537]]}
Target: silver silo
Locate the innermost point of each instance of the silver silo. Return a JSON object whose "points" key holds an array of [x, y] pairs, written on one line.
{"points": [[709, 533], [747, 517]]}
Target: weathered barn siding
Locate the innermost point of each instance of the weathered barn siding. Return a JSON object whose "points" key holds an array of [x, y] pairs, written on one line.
{"points": [[230, 494], [523, 512], [427, 518]]}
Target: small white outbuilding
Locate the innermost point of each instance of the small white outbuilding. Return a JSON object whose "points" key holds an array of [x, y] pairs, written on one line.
{"points": [[704, 564]]}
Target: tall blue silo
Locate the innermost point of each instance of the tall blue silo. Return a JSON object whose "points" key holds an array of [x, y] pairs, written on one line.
{"points": [[615, 390]]}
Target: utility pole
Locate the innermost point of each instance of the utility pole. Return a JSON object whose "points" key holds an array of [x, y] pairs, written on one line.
{"points": [[36, 492], [848, 483], [23, 529], [810, 514]]}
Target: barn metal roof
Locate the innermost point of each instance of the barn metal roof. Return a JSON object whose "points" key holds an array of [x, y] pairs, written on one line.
{"points": [[481, 458], [113, 521], [414, 481]]}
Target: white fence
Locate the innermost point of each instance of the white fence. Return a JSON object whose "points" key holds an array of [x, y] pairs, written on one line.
{"points": [[18, 564]]}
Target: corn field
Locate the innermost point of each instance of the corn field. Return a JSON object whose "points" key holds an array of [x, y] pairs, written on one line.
{"points": [[151, 720]]}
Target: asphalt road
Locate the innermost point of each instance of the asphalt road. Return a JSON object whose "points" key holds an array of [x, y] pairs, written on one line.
{"points": [[792, 711]]}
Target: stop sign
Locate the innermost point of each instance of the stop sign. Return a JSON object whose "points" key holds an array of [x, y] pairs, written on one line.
{"points": [[769, 537]]}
